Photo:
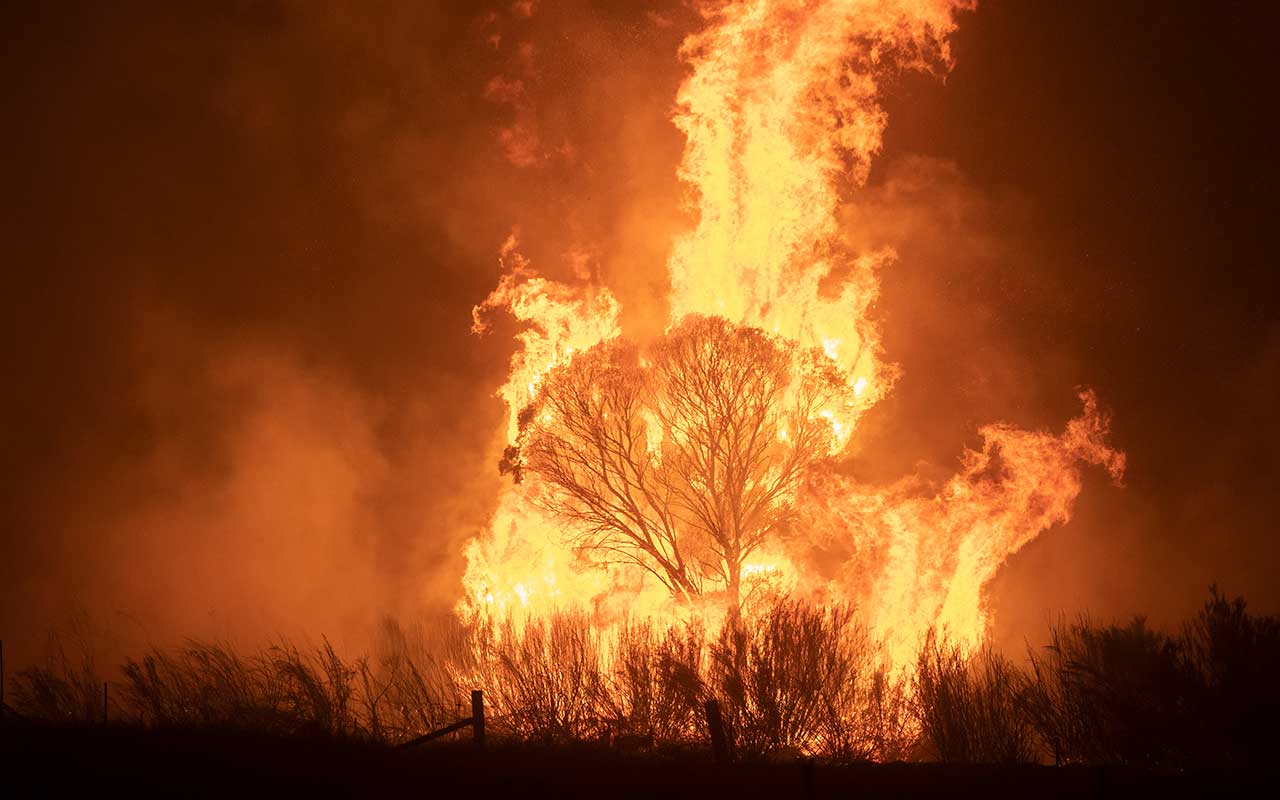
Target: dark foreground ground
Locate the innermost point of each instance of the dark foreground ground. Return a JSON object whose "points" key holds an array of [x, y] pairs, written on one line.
{"points": [[40, 762]]}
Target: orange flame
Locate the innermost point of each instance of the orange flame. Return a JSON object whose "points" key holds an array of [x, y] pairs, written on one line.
{"points": [[560, 320], [911, 558], [781, 117]]}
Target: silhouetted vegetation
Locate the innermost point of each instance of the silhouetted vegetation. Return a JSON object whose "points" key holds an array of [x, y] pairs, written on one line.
{"points": [[1127, 694], [796, 680], [66, 687], [279, 690], [971, 709], [681, 461], [792, 680]]}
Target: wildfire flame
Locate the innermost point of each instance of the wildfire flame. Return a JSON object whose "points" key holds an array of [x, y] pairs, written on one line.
{"points": [[781, 117]]}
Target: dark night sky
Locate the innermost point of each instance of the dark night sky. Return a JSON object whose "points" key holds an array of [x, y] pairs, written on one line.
{"points": [[244, 243]]}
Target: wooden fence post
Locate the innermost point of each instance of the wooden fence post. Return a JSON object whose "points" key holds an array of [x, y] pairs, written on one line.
{"points": [[477, 716], [475, 722], [715, 722]]}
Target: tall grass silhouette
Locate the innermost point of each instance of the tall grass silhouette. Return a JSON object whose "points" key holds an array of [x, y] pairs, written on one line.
{"points": [[792, 680]]}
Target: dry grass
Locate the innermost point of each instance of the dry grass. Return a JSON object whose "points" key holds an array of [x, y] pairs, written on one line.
{"points": [[544, 681], [791, 679], [279, 690], [64, 688], [409, 686]]}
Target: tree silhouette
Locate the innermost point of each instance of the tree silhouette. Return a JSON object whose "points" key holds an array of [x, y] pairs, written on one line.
{"points": [[683, 459]]}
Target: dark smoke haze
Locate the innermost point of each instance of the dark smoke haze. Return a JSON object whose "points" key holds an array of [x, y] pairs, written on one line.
{"points": [[245, 241]]}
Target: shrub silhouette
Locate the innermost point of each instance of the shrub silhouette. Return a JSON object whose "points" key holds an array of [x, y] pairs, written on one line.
{"points": [[654, 689], [792, 679], [971, 709], [1113, 695], [1236, 657]]}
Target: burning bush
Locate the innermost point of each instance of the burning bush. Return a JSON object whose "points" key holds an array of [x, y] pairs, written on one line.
{"points": [[683, 461]]}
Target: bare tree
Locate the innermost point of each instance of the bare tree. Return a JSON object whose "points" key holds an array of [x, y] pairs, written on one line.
{"points": [[684, 459]]}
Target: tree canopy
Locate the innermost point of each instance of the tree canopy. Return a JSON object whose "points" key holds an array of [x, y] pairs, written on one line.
{"points": [[681, 459]]}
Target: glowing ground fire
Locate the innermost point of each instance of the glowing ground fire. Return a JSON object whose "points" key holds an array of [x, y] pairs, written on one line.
{"points": [[781, 119]]}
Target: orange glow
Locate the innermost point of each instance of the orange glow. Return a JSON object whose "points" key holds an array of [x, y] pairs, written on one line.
{"points": [[560, 320], [781, 118]]}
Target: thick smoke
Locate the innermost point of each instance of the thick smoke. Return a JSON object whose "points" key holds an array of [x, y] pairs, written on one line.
{"points": [[245, 241], [245, 397]]}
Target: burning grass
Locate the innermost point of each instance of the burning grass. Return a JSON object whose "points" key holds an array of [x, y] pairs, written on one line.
{"points": [[792, 680]]}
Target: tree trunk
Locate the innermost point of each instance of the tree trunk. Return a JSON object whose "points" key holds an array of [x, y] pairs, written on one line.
{"points": [[733, 592]]}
